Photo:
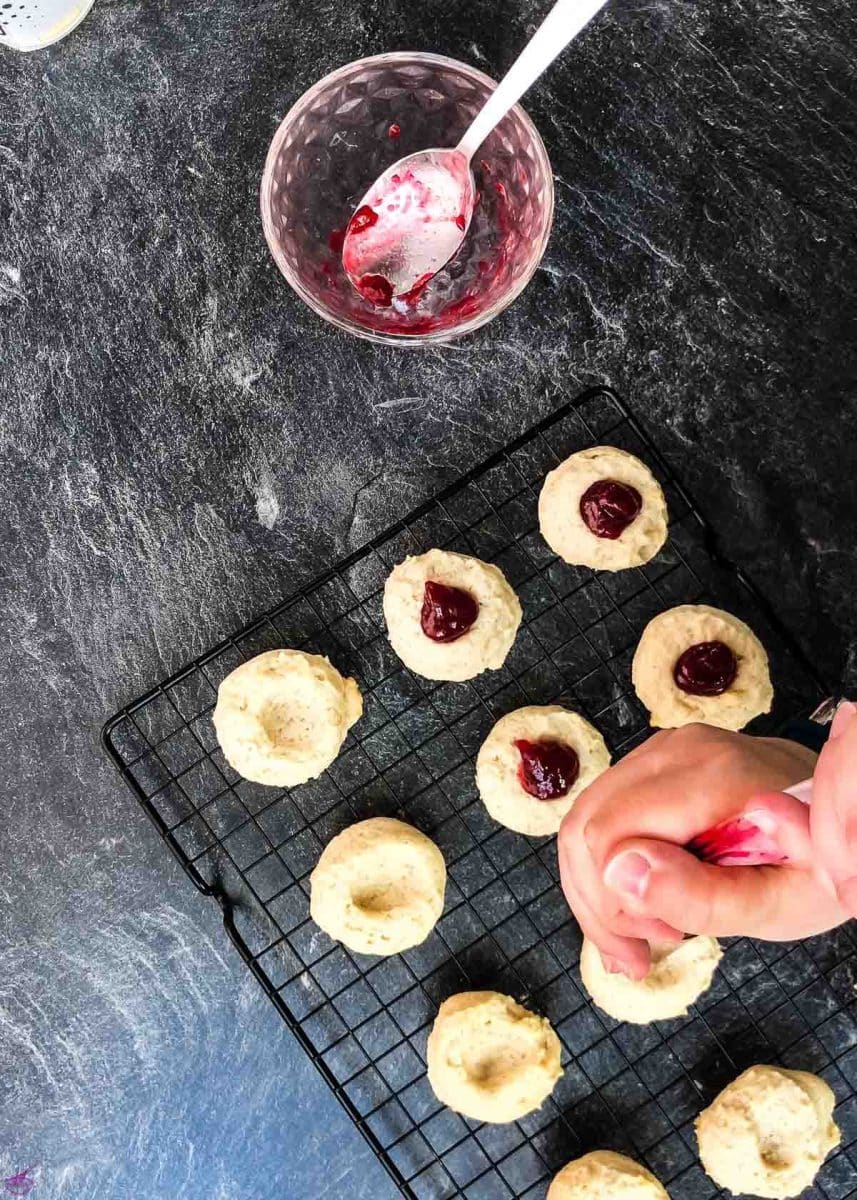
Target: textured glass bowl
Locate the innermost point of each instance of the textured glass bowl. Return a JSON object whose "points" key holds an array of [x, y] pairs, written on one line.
{"points": [[349, 128]]}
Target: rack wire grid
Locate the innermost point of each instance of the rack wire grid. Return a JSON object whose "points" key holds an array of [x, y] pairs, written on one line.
{"points": [[364, 1021]]}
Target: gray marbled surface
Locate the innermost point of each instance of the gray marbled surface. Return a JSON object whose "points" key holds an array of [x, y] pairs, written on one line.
{"points": [[181, 442]]}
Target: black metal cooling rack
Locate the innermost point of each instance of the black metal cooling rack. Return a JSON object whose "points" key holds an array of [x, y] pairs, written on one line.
{"points": [[364, 1021]]}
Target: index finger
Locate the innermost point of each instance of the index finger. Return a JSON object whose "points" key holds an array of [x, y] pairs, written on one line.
{"points": [[674, 799]]}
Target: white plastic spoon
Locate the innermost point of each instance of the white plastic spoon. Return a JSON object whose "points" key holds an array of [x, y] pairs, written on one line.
{"points": [[414, 217]]}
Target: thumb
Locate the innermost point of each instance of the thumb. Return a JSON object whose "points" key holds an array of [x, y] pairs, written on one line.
{"points": [[663, 881]]}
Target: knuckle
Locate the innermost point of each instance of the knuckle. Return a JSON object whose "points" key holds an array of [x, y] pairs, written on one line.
{"points": [[663, 742], [596, 838], [590, 831], [690, 735]]}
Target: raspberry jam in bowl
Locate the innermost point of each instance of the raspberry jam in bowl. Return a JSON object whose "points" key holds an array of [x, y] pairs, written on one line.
{"points": [[342, 134]]}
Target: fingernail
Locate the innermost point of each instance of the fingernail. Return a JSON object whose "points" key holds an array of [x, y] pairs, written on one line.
{"points": [[844, 716], [615, 966], [628, 874]]}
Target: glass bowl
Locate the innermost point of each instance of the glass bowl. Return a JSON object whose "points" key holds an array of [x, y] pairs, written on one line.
{"points": [[349, 128]]}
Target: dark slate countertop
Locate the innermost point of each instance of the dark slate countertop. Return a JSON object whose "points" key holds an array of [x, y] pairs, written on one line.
{"points": [[182, 443]]}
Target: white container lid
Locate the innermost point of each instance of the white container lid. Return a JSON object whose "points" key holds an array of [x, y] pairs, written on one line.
{"points": [[32, 24]]}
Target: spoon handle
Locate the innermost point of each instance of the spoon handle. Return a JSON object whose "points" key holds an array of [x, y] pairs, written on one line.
{"points": [[563, 23]]}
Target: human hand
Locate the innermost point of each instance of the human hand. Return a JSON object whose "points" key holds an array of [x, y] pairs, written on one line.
{"points": [[629, 879], [833, 816]]}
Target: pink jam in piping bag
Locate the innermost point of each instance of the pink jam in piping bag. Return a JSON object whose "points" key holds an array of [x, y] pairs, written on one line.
{"points": [[739, 842]]}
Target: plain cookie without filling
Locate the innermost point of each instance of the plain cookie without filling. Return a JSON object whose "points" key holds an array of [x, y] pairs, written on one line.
{"points": [[605, 1175], [768, 1132], [679, 975], [491, 1059], [378, 887], [282, 717]]}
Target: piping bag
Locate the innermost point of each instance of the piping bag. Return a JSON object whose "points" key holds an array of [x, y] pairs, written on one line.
{"points": [[739, 842]]}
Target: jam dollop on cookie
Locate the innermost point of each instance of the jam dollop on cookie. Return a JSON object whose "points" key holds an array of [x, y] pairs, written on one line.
{"points": [[706, 669], [608, 507], [447, 612], [548, 769]]}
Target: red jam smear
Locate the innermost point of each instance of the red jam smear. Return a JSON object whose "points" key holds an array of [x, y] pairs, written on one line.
{"points": [[394, 131], [706, 669], [468, 306], [420, 311], [608, 507], [364, 218], [377, 290], [20, 1184], [737, 842], [412, 297], [547, 770], [447, 612]]}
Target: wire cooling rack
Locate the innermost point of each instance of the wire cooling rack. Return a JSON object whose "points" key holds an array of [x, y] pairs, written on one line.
{"points": [[364, 1021]]}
